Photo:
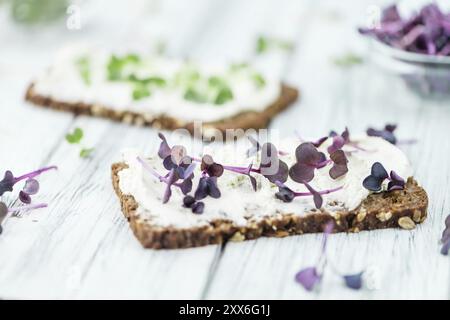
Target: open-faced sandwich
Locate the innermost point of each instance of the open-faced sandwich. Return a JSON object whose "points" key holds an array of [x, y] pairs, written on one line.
{"points": [[175, 199], [161, 92]]}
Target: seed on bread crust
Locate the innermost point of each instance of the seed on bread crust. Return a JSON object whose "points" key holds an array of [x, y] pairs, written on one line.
{"points": [[384, 216], [406, 223], [417, 216]]}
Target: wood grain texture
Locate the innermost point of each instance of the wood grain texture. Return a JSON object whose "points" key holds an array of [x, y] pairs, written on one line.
{"points": [[82, 247]]}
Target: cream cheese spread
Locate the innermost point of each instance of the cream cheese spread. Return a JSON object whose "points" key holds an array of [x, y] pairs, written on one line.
{"points": [[63, 81], [239, 203]]}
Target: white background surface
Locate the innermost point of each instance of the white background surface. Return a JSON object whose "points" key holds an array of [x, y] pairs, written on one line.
{"points": [[82, 246]]}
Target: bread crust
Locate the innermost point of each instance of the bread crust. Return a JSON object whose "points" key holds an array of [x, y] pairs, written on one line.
{"points": [[396, 209], [244, 120]]}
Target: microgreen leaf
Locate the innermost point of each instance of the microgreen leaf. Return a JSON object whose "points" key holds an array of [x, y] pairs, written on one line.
{"points": [[256, 146], [308, 159], [235, 67], [207, 186], [140, 91], [259, 80], [193, 95], [271, 166], [188, 201], [86, 152], [223, 96], [83, 66], [6, 185], [317, 197], [377, 176], [348, 60], [263, 44], [308, 278], [75, 137], [374, 181], [8, 182], [212, 168], [164, 149], [155, 81], [116, 65], [387, 133], [354, 281], [339, 164], [285, 194], [198, 207]]}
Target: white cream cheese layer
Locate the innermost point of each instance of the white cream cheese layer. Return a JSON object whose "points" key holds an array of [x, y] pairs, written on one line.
{"points": [[63, 82], [239, 202]]}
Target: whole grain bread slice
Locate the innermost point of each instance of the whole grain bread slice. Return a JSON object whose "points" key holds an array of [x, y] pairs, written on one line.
{"points": [[244, 120], [401, 208]]}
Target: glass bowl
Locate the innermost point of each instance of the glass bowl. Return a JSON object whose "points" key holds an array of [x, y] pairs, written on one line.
{"points": [[427, 75]]}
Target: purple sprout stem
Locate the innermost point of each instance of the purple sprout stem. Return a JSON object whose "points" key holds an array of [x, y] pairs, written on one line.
{"points": [[34, 173], [409, 141], [323, 164], [156, 174], [28, 207], [305, 194], [153, 172]]}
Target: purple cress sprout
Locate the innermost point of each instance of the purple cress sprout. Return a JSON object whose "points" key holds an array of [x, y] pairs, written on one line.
{"points": [[378, 174], [8, 182], [285, 194]]}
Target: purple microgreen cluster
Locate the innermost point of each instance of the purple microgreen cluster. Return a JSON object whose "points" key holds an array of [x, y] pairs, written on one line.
{"points": [[340, 162], [286, 194], [339, 140], [197, 207], [181, 172], [387, 133], [30, 188], [271, 166], [378, 175], [445, 240], [9, 180], [426, 32], [311, 277], [4, 210], [256, 147], [308, 160]]}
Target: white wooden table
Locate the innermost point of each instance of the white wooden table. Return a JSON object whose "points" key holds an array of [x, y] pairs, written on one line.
{"points": [[82, 247]]}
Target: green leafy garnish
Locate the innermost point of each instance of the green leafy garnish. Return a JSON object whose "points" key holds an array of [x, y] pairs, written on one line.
{"points": [[83, 66], [187, 77], [86, 152], [235, 67], [193, 95], [225, 94], [140, 91], [348, 60], [117, 64], [264, 44], [157, 81], [75, 137], [217, 82], [259, 80]]}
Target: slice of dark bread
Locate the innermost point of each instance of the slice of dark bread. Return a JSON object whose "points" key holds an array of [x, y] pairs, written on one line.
{"points": [[244, 120], [402, 208]]}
